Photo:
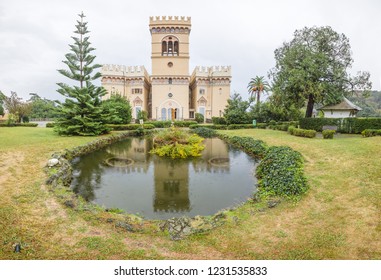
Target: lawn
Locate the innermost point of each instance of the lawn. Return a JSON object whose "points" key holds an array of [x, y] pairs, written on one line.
{"points": [[338, 218]]}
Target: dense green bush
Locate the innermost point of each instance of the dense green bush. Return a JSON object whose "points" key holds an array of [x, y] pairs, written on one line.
{"points": [[345, 125], [50, 124], [308, 133], [256, 148], [116, 110], [199, 118], [328, 133], [280, 173], [371, 132], [120, 127], [205, 132], [218, 120]]}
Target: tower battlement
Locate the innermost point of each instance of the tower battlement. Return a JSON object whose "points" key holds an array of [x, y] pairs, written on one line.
{"points": [[122, 70], [213, 71], [169, 20]]}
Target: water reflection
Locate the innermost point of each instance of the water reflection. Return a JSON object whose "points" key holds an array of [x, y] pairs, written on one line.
{"points": [[158, 187]]}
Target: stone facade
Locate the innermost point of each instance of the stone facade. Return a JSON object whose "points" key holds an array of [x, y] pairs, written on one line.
{"points": [[170, 92]]}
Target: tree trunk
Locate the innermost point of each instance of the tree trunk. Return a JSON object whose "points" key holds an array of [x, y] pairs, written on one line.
{"points": [[310, 106]]}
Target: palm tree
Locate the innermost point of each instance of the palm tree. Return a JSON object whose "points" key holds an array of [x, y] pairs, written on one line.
{"points": [[256, 87]]}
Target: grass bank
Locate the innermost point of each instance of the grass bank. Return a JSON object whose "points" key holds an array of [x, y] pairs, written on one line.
{"points": [[339, 217]]}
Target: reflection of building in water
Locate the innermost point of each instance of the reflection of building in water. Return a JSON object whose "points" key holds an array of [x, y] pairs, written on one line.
{"points": [[215, 157], [172, 177], [136, 149], [171, 186]]}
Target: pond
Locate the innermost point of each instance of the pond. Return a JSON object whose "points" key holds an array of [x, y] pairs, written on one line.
{"points": [[125, 175]]}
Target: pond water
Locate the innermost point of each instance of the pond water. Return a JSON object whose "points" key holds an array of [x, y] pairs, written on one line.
{"points": [[126, 176]]}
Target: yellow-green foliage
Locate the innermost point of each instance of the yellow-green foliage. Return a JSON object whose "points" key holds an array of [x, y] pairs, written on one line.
{"points": [[176, 143]]}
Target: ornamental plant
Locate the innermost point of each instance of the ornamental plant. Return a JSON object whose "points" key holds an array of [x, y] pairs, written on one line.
{"points": [[176, 143]]}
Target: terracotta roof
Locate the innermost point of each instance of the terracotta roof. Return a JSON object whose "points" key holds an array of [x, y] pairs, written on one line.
{"points": [[343, 105]]}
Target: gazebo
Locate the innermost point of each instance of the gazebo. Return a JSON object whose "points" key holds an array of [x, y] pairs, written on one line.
{"points": [[345, 109]]}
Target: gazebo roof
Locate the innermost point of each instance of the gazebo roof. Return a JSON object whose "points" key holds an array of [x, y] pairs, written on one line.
{"points": [[343, 105]]}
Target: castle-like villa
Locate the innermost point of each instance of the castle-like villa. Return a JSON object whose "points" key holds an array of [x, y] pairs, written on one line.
{"points": [[170, 93]]}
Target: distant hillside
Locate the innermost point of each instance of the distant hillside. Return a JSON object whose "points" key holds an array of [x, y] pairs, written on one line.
{"points": [[371, 106]]}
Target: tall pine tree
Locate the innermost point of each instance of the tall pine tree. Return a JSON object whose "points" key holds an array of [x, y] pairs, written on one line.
{"points": [[80, 114]]}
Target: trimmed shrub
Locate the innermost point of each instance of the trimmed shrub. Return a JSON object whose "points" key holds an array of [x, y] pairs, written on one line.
{"points": [[256, 148], [262, 125], [205, 132], [50, 124], [240, 126], [166, 124], [18, 124], [328, 133], [218, 120], [280, 173], [217, 126], [371, 132], [120, 127], [308, 133], [184, 123]]}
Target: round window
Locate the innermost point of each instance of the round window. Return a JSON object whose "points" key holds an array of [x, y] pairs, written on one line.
{"points": [[170, 64], [170, 95]]}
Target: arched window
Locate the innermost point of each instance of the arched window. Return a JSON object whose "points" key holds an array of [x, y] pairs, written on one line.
{"points": [[176, 48], [164, 48], [170, 81], [170, 46]]}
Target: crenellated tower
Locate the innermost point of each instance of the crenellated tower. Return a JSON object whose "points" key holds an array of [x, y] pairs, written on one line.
{"points": [[170, 92], [170, 67]]}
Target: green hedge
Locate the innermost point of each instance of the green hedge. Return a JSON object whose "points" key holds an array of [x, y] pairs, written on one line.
{"points": [[164, 124], [222, 126], [345, 125], [205, 132], [210, 126], [50, 124], [280, 173], [308, 133], [120, 127], [371, 132], [19, 124], [256, 148]]}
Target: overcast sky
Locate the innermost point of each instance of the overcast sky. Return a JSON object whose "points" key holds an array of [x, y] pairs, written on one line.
{"points": [[34, 35]]}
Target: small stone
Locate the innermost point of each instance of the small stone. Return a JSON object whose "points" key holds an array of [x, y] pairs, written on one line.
{"points": [[53, 162]]}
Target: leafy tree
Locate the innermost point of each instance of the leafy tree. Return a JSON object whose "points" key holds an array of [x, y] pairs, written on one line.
{"points": [[236, 110], [256, 87], [81, 113], [117, 110], [2, 111], [312, 68], [42, 108], [16, 106]]}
